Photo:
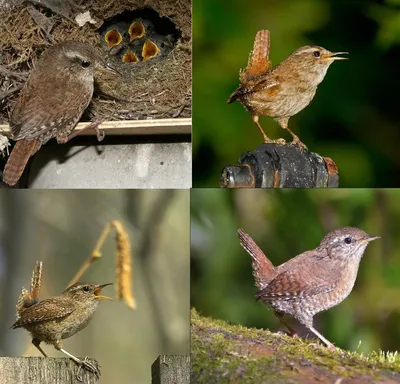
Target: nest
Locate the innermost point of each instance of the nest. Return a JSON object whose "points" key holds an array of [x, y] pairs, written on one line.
{"points": [[149, 89]]}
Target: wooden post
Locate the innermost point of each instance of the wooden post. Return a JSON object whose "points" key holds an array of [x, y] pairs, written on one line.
{"points": [[41, 370], [171, 369]]}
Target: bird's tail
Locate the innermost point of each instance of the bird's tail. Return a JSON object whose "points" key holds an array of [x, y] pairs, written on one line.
{"points": [[16, 163], [263, 269]]}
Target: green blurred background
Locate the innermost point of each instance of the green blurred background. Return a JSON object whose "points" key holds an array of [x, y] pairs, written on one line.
{"points": [[61, 228], [285, 223], [354, 116]]}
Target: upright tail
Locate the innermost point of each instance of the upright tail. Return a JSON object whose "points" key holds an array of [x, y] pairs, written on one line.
{"points": [[16, 163], [263, 270]]}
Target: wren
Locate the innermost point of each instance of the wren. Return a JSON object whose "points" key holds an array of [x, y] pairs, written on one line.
{"points": [[284, 90], [52, 320], [56, 94], [311, 282]]}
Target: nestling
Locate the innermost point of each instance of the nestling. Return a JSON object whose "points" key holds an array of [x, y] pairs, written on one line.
{"points": [[57, 92], [52, 320], [284, 90], [313, 281]]}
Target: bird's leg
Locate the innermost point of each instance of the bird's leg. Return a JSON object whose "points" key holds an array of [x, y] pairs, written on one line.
{"points": [[94, 125], [280, 315], [330, 346], [266, 138], [36, 343], [85, 363], [284, 124]]}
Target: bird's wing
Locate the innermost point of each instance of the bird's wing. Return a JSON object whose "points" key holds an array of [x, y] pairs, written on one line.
{"points": [[263, 83], [300, 281], [34, 110], [45, 310]]}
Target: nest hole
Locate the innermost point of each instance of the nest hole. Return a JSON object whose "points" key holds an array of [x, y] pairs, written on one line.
{"points": [[142, 33]]}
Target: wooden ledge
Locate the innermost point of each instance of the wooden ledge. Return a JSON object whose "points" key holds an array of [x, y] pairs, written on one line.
{"points": [[135, 127]]}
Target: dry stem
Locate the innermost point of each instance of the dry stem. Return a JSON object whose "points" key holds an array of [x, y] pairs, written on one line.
{"points": [[95, 255]]}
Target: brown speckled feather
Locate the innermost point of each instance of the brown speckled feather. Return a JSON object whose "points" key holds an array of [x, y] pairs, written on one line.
{"points": [[48, 309]]}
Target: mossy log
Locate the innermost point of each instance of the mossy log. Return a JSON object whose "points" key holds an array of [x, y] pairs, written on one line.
{"points": [[223, 353], [42, 370]]}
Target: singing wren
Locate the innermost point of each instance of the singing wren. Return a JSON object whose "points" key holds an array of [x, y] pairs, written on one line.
{"points": [[60, 317], [284, 90], [311, 282], [56, 94]]}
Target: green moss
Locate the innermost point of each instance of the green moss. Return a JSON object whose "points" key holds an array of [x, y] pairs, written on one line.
{"points": [[225, 353]]}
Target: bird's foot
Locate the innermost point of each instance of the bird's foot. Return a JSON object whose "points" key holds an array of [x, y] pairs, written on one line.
{"points": [[280, 141], [267, 140], [99, 132], [330, 347], [90, 365], [296, 141]]}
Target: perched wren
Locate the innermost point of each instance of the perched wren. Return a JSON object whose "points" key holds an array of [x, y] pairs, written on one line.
{"points": [[52, 320], [57, 92], [284, 90], [313, 281]]}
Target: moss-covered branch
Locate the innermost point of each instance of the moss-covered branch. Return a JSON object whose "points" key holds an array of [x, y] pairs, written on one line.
{"points": [[224, 353]]}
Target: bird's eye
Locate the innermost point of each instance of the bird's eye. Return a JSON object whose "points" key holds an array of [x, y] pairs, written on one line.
{"points": [[317, 53], [85, 63], [86, 288], [347, 240]]}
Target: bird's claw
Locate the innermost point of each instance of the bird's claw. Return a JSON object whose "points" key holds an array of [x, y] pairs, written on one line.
{"points": [[89, 365], [280, 141], [100, 135], [296, 141], [99, 132]]}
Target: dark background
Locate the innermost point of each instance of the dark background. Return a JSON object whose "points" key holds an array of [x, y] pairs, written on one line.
{"points": [[353, 118], [285, 223]]}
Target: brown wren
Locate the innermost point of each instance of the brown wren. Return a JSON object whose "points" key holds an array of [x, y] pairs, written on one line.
{"points": [[285, 89], [60, 317], [56, 94], [311, 282]]}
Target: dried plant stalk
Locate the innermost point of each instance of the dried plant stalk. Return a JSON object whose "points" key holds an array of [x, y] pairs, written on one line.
{"points": [[123, 267], [95, 255], [259, 57]]}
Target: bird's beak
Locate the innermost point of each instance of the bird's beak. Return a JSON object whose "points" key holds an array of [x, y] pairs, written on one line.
{"points": [[333, 56], [98, 290], [107, 68], [371, 238]]}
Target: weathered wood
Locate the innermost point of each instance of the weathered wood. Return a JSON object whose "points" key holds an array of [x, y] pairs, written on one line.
{"points": [[41, 370], [275, 165], [134, 127], [171, 369]]}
